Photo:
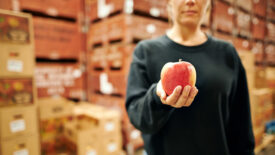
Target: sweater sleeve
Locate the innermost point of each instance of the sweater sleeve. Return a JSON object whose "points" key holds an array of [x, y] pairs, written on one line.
{"points": [[240, 133], [145, 110]]}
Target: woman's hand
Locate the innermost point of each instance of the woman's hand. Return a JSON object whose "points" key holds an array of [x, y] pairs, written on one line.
{"points": [[178, 98]]}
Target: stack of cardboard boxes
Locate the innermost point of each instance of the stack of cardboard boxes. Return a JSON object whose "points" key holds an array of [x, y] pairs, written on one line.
{"points": [[260, 95], [95, 130], [18, 110]]}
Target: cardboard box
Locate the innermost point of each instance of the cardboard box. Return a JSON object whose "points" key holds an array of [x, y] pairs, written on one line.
{"points": [[270, 12], [270, 77], [271, 31], [25, 144], [107, 121], [60, 79], [248, 60], [17, 121], [223, 17], [258, 50], [259, 7], [64, 8], [16, 61], [82, 140], [16, 42], [261, 103], [243, 20], [16, 91], [260, 77], [258, 28], [97, 59], [101, 9], [270, 54], [54, 114], [56, 39], [125, 28], [50, 108], [242, 44]]}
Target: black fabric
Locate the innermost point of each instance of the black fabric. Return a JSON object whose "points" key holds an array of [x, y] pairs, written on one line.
{"points": [[218, 121]]}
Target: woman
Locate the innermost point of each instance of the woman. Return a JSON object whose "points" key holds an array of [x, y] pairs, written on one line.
{"points": [[212, 121]]}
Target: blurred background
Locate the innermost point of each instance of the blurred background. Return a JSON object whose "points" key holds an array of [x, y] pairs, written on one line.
{"points": [[64, 66]]}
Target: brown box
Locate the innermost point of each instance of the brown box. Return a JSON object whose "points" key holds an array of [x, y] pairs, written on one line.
{"points": [[97, 10], [243, 23], [97, 59], [98, 123], [16, 91], [247, 58], [260, 77], [271, 31], [108, 121], [223, 17], [258, 50], [258, 28], [25, 144], [98, 34], [245, 4], [16, 42], [51, 108], [60, 79], [56, 39], [242, 44], [64, 8], [81, 139], [17, 121], [270, 13], [110, 102], [54, 114], [261, 101], [125, 28], [270, 76], [132, 27], [16, 61], [259, 7], [270, 54]]}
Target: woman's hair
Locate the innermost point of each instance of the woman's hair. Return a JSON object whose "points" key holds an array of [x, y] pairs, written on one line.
{"points": [[169, 11]]}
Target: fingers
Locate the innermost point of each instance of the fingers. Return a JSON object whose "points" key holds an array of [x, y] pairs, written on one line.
{"points": [[173, 98], [184, 96], [192, 94], [187, 97]]}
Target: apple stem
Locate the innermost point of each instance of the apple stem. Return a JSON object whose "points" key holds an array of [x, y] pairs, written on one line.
{"points": [[180, 60]]}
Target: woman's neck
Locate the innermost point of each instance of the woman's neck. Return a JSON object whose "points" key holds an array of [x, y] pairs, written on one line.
{"points": [[189, 36]]}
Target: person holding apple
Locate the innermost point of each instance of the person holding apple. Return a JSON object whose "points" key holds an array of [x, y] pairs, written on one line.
{"points": [[198, 105]]}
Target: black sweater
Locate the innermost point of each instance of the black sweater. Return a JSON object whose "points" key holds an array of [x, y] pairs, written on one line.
{"points": [[217, 123]]}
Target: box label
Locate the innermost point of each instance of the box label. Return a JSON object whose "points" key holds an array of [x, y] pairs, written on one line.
{"points": [[91, 152], [21, 152], [17, 125], [15, 66]]}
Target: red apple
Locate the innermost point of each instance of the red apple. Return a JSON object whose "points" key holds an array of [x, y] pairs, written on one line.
{"points": [[175, 74]]}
